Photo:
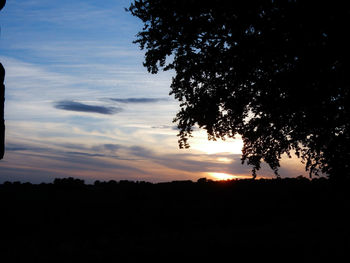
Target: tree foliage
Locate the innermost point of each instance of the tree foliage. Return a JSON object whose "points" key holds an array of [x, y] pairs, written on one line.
{"points": [[274, 72]]}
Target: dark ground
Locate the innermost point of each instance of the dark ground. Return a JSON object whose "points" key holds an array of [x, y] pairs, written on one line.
{"points": [[285, 220]]}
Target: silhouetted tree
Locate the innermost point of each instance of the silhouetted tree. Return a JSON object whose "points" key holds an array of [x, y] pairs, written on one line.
{"points": [[2, 3], [202, 180], [70, 181], [2, 99], [2, 119], [275, 72]]}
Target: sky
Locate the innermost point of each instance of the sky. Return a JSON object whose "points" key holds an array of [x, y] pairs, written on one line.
{"points": [[80, 103]]}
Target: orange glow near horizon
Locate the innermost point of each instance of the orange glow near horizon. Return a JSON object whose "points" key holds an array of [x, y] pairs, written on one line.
{"points": [[222, 176]]}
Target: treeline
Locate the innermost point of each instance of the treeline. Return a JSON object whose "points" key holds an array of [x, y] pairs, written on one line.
{"points": [[228, 192], [247, 191], [106, 221], [80, 182]]}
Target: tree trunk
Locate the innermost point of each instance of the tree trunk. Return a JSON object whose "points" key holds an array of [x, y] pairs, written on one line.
{"points": [[2, 120]]}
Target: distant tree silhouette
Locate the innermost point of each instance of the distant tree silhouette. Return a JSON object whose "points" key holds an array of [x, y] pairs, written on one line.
{"points": [[202, 180], [275, 72], [70, 181]]}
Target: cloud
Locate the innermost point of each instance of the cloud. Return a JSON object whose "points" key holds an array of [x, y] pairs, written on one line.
{"points": [[87, 154], [139, 100], [81, 107], [112, 147], [167, 127], [108, 148], [19, 148]]}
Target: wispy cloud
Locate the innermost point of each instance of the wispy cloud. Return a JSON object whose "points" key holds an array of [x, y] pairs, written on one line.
{"points": [[139, 100], [109, 147], [81, 107], [167, 127]]}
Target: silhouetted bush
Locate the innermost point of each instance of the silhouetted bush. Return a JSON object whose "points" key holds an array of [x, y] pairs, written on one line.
{"points": [[70, 181]]}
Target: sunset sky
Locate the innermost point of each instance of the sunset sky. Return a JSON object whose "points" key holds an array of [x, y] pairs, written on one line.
{"points": [[79, 102]]}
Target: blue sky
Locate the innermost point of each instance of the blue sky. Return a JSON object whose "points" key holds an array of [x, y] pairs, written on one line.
{"points": [[79, 102]]}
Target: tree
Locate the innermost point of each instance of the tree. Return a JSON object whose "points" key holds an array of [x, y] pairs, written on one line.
{"points": [[2, 99], [275, 72], [2, 3], [2, 106]]}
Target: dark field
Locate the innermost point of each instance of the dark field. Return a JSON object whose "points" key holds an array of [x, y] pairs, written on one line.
{"points": [[282, 219]]}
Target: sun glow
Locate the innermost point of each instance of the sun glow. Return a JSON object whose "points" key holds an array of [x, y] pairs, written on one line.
{"points": [[230, 146], [222, 176], [224, 160]]}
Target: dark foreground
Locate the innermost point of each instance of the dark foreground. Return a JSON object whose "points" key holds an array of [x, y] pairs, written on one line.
{"points": [[287, 220]]}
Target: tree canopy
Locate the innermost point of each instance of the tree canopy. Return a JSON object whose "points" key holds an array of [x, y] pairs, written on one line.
{"points": [[274, 72]]}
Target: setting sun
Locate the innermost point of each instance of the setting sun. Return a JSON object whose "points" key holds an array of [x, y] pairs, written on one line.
{"points": [[222, 176]]}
